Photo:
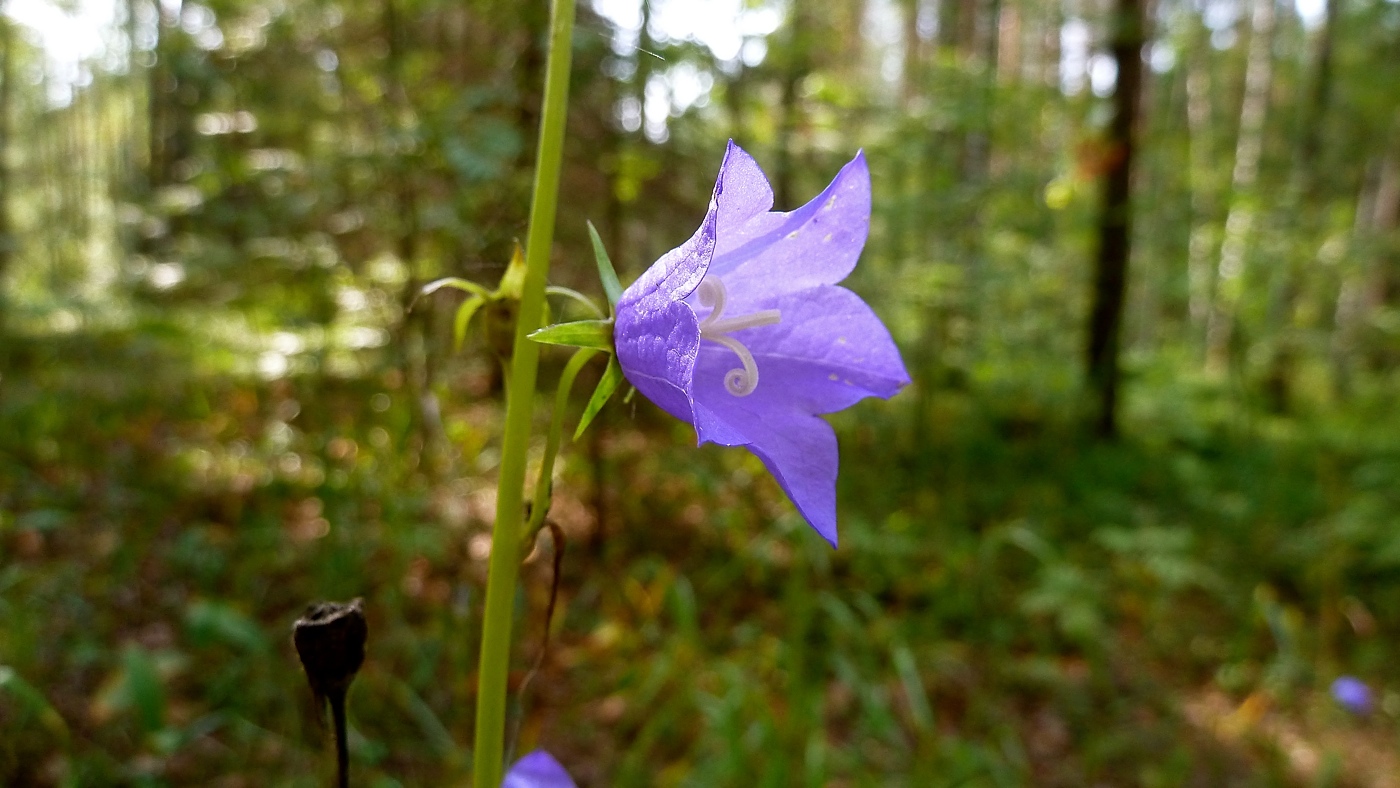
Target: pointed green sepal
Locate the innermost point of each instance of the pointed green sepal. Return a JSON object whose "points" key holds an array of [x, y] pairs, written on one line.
{"points": [[567, 292], [607, 384], [457, 282], [465, 312], [513, 280], [611, 286], [596, 334]]}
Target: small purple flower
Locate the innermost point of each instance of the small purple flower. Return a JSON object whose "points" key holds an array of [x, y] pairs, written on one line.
{"points": [[537, 770], [743, 332], [1353, 694]]}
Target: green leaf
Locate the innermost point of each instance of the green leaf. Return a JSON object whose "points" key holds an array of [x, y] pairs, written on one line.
{"points": [[611, 286], [464, 319], [596, 334], [456, 282], [209, 623], [914, 691], [31, 701], [607, 384], [144, 689]]}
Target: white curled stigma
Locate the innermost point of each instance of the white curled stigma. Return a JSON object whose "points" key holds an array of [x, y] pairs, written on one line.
{"points": [[717, 328]]}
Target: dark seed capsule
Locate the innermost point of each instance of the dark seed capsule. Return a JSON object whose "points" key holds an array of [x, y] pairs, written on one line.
{"points": [[330, 640]]}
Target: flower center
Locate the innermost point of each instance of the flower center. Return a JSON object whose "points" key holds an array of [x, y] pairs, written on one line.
{"points": [[716, 327]]}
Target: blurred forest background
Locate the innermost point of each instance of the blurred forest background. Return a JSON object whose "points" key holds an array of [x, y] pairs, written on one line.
{"points": [[216, 405]]}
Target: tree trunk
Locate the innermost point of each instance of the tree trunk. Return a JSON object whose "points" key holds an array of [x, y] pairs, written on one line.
{"points": [[1306, 179], [1199, 125], [1369, 285], [641, 73], [1311, 142], [912, 81], [1115, 221], [162, 89], [7, 239], [1383, 279], [1239, 222], [795, 71], [410, 336], [977, 145]]}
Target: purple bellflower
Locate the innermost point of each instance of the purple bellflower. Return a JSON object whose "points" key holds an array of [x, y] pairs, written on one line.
{"points": [[743, 332], [1352, 694], [537, 770]]}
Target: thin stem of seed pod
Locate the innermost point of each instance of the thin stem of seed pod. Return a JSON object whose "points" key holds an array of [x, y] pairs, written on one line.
{"points": [[503, 570], [557, 534], [342, 749]]}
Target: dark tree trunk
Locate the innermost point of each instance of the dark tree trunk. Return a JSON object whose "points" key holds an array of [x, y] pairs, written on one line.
{"points": [[410, 336], [7, 240], [976, 153], [795, 70], [1311, 142], [1306, 182], [1239, 219], [912, 82], [1115, 222], [1384, 285], [534, 20]]}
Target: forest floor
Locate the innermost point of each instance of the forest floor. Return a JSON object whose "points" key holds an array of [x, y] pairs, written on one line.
{"points": [[1011, 604]]}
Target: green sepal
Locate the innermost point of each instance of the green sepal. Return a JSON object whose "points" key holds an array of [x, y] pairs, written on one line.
{"points": [[607, 384], [567, 292], [465, 312], [455, 282], [595, 334], [611, 286], [513, 280]]}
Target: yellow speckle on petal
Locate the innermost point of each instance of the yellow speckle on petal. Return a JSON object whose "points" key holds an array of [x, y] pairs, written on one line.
{"points": [[833, 376], [840, 340], [831, 201], [827, 239], [792, 234]]}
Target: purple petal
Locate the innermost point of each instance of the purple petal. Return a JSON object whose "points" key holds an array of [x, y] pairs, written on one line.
{"points": [[537, 770], [829, 352], [745, 192], [657, 335], [799, 449], [657, 344], [817, 244]]}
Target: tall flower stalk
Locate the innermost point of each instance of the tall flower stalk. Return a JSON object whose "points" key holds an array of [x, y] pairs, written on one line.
{"points": [[504, 568]]}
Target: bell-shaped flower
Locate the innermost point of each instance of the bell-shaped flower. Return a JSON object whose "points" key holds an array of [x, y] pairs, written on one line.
{"points": [[743, 332], [1352, 694], [537, 770]]}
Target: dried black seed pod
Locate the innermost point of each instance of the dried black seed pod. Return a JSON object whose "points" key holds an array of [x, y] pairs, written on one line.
{"points": [[330, 640]]}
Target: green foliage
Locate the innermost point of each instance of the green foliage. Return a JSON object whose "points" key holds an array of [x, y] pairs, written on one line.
{"points": [[222, 397], [595, 334], [606, 274], [607, 385]]}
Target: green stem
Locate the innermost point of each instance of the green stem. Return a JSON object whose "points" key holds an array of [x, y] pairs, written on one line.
{"points": [[539, 505], [504, 567]]}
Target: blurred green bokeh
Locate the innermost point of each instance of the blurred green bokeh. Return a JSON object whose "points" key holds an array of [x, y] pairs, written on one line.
{"points": [[217, 406]]}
